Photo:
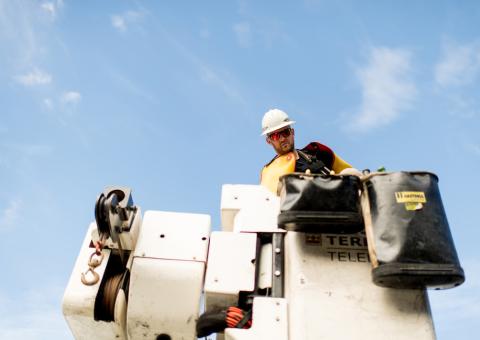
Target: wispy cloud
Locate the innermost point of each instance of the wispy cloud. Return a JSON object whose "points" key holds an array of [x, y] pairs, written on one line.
{"points": [[24, 32], [243, 34], [462, 105], [48, 103], [456, 74], [34, 77], [121, 22], [51, 8], [131, 86], [18, 35], [208, 74], [26, 28], [64, 103], [71, 97], [10, 214], [386, 88], [459, 64]]}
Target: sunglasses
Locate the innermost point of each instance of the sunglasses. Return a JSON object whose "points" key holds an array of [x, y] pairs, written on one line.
{"points": [[276, 135]]}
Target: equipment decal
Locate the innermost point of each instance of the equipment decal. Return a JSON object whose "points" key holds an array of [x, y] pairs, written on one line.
{"points": [[342, 248], [410, 197], [413, 199]]}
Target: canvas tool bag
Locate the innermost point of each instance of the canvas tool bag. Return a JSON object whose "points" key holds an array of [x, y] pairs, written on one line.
{"points": [[320, 203], [409, 239]]}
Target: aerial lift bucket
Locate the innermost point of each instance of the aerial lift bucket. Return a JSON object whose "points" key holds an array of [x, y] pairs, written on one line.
{"points": [[409, 239]]}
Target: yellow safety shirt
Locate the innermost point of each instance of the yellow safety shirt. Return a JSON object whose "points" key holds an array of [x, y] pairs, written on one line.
{"points": [[285, 164]]}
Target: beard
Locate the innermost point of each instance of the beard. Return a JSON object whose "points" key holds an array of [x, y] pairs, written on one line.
{"points": [[284, 148]]}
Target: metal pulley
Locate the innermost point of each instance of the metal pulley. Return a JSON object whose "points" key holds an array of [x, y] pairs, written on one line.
{"points": [[114, 212]]}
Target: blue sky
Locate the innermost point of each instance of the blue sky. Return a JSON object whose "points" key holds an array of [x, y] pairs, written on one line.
{"points": [[167, 98]]}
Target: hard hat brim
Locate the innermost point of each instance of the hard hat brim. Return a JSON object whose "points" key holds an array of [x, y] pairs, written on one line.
{"points": [[278, 127]]}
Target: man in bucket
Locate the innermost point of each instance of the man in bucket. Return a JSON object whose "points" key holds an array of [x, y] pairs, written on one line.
{"points": [[315, 157]]}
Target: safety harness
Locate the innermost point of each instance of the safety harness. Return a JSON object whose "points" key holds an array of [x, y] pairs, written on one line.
{"points": [[316, 157]]}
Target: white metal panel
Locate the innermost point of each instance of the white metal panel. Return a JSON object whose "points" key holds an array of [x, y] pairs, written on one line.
{"points": [[164, 298], [266, 266], [269, 321], [251, 208], [171, 235], [79, 299], [231, 268], [85, 328], [256, 217], [331, 294]]}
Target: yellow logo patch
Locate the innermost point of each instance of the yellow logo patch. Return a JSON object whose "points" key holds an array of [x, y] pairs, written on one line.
{"points": [[410, 197]]}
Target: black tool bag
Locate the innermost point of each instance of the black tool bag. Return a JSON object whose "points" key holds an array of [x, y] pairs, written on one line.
{"points": [[320, 203], [409, 239]]}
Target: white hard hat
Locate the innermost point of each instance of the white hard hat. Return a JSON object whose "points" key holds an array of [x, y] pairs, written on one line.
{"points": [[273, 120]]}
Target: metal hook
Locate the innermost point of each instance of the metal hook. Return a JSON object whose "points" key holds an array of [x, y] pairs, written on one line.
{"points": [[93, 263], [93, 281]]}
